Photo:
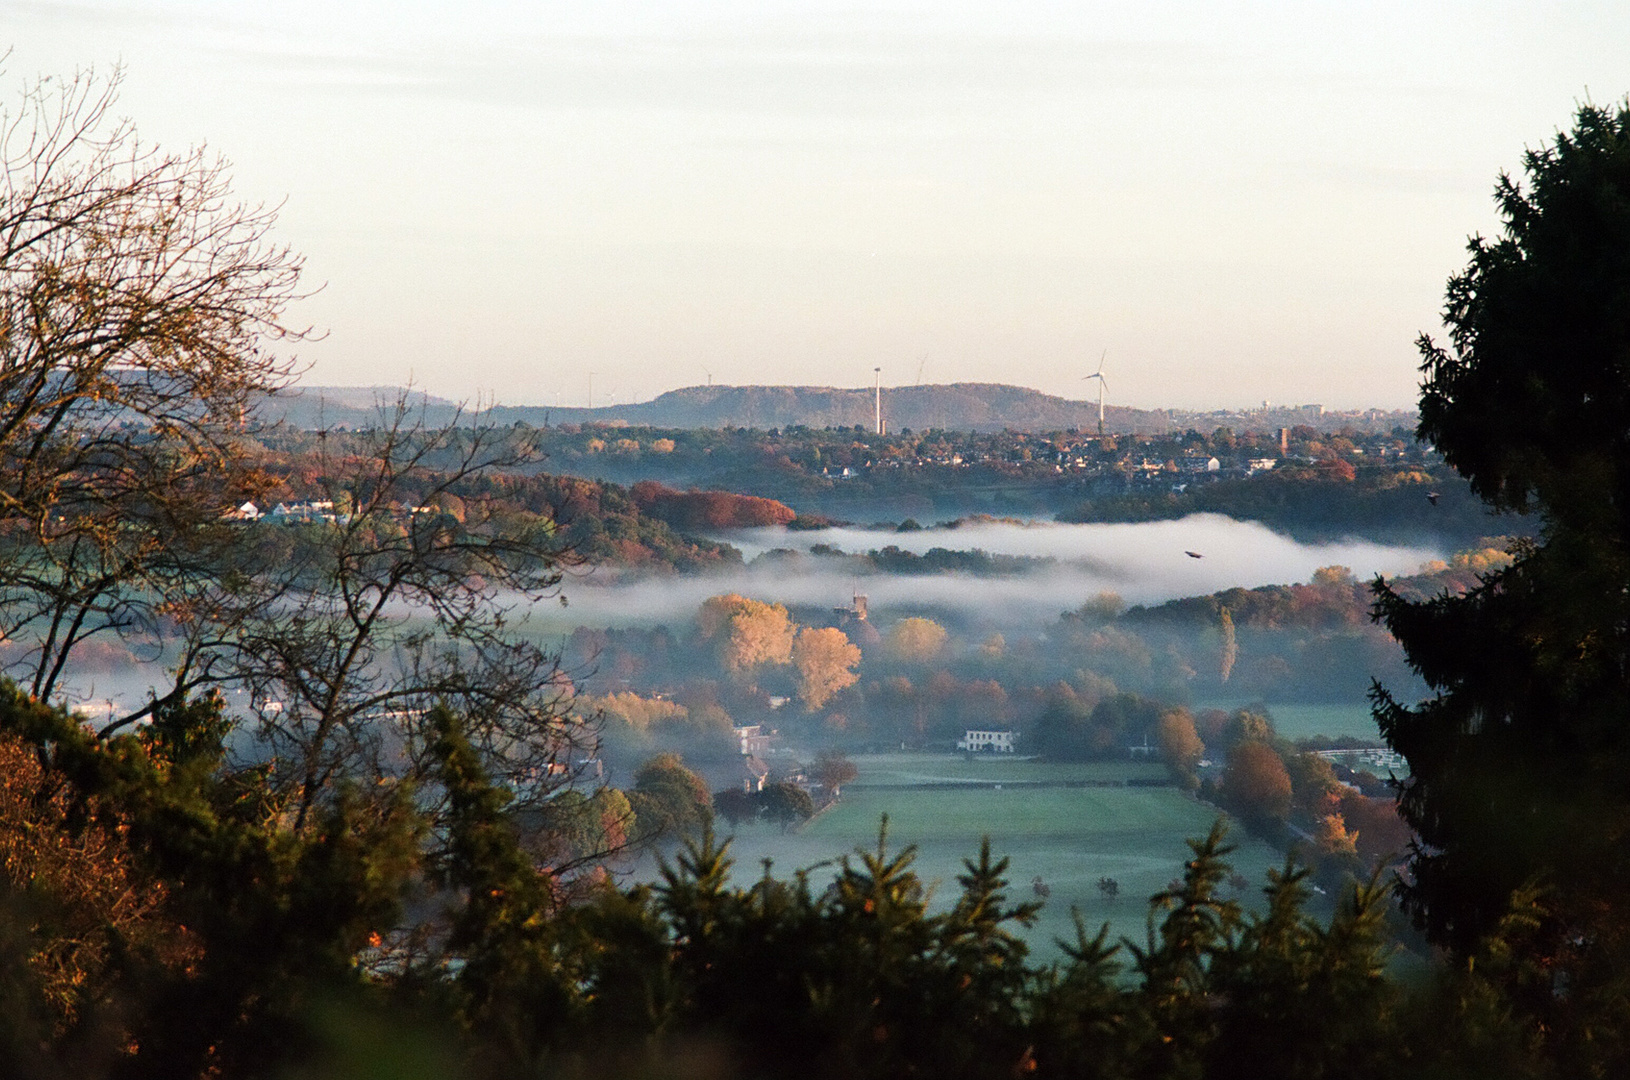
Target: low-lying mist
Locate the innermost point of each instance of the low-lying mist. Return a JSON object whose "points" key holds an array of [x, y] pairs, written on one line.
{"points": [[1144, 563]]}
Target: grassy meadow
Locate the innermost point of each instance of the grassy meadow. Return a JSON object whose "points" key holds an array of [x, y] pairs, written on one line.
{"points": [[908, 770], [1069, 836], [1334, 720], [1302, 721]]}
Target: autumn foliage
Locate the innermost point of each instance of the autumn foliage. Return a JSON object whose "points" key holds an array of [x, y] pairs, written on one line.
{"points": [[701, 510], [78, 887], [1255, 784], [915, 640], [1333, 837], [825, 661], [749, 634], [1180, 744], [1378, 832]]}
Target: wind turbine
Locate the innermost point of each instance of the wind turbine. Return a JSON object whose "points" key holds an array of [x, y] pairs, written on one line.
{"points": [[1099, 375]]}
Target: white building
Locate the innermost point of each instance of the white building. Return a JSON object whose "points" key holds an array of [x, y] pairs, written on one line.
{"points": [[753, 740], [1000, 742]]}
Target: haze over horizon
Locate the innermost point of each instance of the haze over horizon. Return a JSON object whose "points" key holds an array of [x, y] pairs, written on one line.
{"points": [[1237, 202], [384, 394]]}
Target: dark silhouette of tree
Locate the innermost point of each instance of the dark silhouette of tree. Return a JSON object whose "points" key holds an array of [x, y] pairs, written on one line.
{"points": [[78, 898], [495, 929], [786, 804], [736, 805], [669, 800], [272, 918], [466, 950], [1518, 759], [1304, 1000]]}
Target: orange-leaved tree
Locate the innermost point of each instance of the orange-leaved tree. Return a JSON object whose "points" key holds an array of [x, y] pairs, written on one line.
{"points": [[1180, 744], [748, 634], [1255, 784], [825, 660]]}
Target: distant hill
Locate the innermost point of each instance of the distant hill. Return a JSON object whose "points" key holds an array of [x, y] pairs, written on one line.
{"points": [[957, 407]]}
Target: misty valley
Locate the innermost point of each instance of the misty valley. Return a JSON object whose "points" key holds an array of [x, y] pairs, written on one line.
{"points": [[1083, 641], [782, 732], [747, 647], [593, 743]]}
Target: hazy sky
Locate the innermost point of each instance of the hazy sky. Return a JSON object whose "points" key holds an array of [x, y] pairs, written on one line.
{"points": [[1239, 201]]}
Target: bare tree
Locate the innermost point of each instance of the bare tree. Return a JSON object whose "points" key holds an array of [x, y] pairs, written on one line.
{"points": [[141, 318], [409, 589], [833, 769], [141, 312]]}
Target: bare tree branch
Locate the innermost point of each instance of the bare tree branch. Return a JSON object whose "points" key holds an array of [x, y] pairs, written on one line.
{"points": [[141, 312]]}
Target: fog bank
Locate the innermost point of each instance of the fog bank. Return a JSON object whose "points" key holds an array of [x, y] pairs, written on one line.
{"points": [[1144, 563]]}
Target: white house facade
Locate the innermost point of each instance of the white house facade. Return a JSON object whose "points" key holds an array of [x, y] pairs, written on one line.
{"points": [[1000, 742]]}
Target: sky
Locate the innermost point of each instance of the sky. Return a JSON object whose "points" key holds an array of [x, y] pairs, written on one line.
{"points": [[535, 202]]}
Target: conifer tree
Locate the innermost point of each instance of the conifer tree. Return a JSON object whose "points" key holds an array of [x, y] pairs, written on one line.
{"points": [[1518, 760]]}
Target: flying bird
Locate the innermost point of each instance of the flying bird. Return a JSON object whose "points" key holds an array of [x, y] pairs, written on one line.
{"points": [[1432, 497], [1194, 554]]}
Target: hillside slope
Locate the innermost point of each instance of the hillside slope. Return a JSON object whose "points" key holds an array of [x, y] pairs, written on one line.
{"points": [[955, 407]]}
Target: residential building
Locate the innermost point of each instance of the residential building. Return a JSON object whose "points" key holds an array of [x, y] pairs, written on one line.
{"points": [[974, 741]]}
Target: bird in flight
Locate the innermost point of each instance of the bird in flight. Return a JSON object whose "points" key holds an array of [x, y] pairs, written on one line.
{"points": [[1194, 554]]}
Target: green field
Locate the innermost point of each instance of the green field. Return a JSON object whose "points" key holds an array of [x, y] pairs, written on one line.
{"points": [[1069, 836], [1302, 721], [1305, 721], [894, 770]]}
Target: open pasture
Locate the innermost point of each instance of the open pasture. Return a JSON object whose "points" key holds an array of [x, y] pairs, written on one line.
{"points": [[1306, 720], [908, 770], [1068, 836], [1333, 720]]}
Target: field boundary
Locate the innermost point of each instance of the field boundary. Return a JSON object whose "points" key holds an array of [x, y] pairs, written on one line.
{"points": [[962, 785]]}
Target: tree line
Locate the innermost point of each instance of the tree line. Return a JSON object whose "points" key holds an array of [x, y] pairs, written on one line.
{"points": [[161, 919], [381, 859]]}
